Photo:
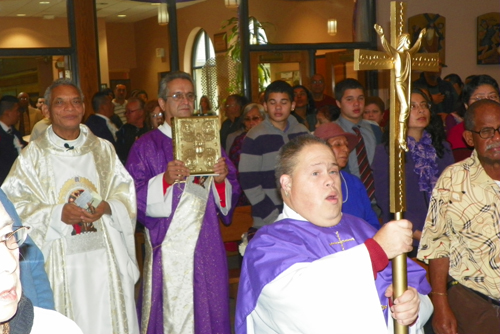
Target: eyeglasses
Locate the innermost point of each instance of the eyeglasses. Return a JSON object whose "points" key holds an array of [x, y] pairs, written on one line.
{"points": [[181, 96], [421, 105], [16, 238], [250, 119], [492, 96], [487, 133], [160, 114], [232, 105], [317, 81]]}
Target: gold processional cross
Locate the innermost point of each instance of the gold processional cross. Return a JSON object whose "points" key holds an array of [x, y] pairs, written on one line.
{"points": [[341, 242], [401, 60]]}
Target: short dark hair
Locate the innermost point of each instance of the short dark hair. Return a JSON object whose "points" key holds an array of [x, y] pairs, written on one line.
{"points": [[109, 91], [346, 84], [279, 86], [330, 111], [57, 83], [376, 101], [138, 92], [287, 155], [136, 99], [170, 76], [454, 78], [7, 102], [469, 118], [241, 100], [476, 81], [99, 99]]}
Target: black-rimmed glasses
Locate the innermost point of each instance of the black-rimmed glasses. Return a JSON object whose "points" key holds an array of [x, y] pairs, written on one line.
{"points": [[487, 133]]}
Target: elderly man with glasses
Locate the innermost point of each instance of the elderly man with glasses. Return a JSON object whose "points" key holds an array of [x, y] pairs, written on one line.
{"points": [[461, 235], [185, 277]]}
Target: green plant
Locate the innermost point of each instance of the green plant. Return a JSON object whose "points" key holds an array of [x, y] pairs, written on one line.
{"points": [[232, 37]]}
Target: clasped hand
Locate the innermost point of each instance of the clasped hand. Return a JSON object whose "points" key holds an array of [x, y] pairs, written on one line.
{"points": [[177, 171], [406, 307], [395, 237], [73, 214]]}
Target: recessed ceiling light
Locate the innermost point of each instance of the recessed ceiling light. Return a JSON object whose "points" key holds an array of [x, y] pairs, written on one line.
{"points": [[122, 15], [44, 2], [21, 14]]}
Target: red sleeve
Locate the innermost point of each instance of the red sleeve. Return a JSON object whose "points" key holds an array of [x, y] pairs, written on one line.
{"points": [[165, 186], [221, 190], [377, 256]]}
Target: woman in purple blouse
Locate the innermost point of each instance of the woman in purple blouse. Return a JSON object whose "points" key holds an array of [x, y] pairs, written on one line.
{"points": [[429, 154]]}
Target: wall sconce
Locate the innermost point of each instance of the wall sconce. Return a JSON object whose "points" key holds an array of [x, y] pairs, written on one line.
{"points": [[332, 27], [232, 4], [162, 14]]}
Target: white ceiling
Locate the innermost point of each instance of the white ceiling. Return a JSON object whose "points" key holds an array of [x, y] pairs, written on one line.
{"points": [[107, 9]]}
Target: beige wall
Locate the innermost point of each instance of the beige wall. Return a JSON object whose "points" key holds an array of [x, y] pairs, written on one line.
{"points": [[461, 31], [137, 55], [30, 32], [149, 37], [121, 46]]}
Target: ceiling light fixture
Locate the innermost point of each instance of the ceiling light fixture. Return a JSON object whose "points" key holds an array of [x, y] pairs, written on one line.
{"points": [[332, 27], [122, 15], [232, 4], [162, 14]]}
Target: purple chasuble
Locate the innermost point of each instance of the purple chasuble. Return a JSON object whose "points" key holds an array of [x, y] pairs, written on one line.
{"points": [[149, 157], [277, 247]]}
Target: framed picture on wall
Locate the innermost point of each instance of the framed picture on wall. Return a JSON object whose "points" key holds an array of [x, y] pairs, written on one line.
{"points": [[488, 39], [435, 37], [220, 44]]}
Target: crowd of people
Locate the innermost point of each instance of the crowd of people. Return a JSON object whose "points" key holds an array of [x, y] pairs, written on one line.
{"points": [[315, 170]]}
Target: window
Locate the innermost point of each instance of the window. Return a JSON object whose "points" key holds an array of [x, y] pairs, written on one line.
{"points": [[203, 56]]}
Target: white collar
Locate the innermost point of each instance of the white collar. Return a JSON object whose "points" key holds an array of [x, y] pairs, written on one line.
{"points": [[102, 116], [166, 129], [288, 212], [59, 142]]}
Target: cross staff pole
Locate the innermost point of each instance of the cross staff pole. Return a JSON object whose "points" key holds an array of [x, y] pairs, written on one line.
{"points": [[401, 60]]}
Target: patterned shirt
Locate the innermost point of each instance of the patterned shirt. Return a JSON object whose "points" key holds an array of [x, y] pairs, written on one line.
{"points": [[463, 224]]}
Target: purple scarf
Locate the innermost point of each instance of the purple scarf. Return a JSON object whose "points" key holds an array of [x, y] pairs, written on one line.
{"points": [[425, 158]]}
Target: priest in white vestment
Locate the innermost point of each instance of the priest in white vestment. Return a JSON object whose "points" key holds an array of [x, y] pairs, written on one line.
{"points": [[317, 270], [71, 188]]}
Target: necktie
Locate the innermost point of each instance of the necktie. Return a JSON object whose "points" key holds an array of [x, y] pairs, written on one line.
{"points": [[365, 171], [24, 123]]}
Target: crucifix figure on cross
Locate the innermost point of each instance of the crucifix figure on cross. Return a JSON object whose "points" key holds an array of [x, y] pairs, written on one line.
{"points": [[402, 56], [401, 60]]}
